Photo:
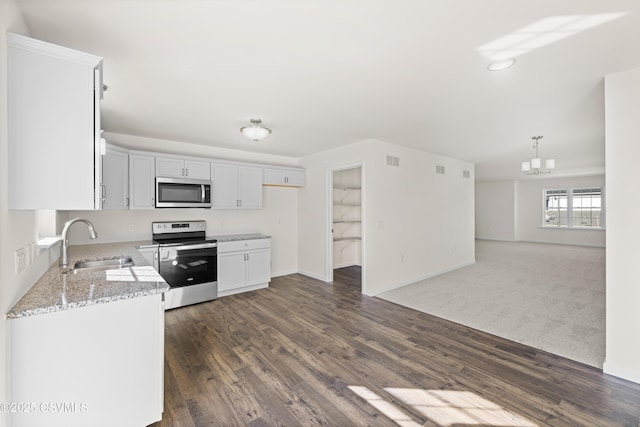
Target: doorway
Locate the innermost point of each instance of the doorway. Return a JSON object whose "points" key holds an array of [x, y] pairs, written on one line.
{"points": [[345, 212]]}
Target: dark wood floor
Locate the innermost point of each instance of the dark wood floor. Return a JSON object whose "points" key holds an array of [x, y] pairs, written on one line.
{"points": [[303, 352]]}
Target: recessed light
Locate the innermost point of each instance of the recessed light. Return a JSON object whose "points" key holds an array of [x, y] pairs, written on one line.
{"points": [[503, 64]]}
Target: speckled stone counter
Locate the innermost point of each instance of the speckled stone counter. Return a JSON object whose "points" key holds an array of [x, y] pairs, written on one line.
{"points": [[236, 237], [56, 290]]}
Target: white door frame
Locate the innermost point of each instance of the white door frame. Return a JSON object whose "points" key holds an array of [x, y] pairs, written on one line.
{"points": [[329, 215]]}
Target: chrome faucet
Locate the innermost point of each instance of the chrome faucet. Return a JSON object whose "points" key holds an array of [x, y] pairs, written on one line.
{"points": [[64, 258]]}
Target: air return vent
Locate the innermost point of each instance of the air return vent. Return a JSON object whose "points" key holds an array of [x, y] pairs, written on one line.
{"points": [[440, 169], [393, 161], [466, 174]]}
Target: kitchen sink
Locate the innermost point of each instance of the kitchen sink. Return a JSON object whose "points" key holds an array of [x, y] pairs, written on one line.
{"points": [[102, 264]]}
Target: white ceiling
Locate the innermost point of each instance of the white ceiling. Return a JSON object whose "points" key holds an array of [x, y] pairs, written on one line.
{"points": [[325, 73]]}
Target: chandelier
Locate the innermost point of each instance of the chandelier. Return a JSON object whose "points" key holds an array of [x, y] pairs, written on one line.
{"points": [[256, 131], [534, 167]]}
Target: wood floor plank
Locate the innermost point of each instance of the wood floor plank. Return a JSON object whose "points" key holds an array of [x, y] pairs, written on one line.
{"points": [[303, 352]]}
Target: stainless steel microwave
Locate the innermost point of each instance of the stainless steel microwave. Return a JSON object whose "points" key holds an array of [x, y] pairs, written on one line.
{"points": [[182, 193]]}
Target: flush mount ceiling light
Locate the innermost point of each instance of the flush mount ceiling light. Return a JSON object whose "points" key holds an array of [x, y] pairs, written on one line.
{"points": [[256, 131], [503, 64], [534, 167]]}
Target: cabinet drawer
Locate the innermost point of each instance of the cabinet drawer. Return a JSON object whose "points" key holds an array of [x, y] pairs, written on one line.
{"points": [[243, 245]]}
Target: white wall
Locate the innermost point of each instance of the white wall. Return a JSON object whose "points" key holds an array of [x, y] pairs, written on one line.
{"points": [[17, 228], [622, 106], [277, 218], [530, 207], [416, 224], [512, 211], [495, 204]]}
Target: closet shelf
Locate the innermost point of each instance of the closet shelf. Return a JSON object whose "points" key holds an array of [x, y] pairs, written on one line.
{"points": [[340, 221], [344, 239], [346, 204]]}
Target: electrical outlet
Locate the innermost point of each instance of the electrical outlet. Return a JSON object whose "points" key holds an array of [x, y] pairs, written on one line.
{"points": [[21, 260]]}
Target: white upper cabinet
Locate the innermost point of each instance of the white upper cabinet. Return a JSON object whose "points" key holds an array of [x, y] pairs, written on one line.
{"points": [[287, 177], [142, 176], [115, 178], [54, 148], [235, 186], [176, 167]]}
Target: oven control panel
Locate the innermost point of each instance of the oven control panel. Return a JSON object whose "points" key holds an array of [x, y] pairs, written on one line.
{"points": [[177, 227]]}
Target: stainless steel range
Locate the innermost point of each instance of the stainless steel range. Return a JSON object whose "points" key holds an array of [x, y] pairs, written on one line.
{"points": [[187, 261]]}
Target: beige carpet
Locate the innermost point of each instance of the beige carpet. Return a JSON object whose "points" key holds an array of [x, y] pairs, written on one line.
{"points": [[551, 297]]}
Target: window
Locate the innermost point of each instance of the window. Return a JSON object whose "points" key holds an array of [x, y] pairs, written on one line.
{"points": [[573, 208]]}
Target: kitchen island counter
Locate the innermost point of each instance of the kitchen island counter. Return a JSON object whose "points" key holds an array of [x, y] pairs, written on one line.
{"points": [[60, 289]]}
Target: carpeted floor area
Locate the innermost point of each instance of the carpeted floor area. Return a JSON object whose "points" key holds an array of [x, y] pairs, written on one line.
{"points": [[551, 297]]}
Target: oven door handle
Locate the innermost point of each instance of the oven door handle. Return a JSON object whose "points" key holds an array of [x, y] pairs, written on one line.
{"points": [[189, 247]]}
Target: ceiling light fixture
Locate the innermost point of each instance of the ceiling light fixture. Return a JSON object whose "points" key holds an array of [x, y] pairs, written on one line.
{"points": [[503, 64], [256, 131], [534, 167]]}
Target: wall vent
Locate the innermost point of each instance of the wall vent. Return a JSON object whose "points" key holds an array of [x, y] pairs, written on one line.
{"points": [[393, 161], [440, 169], [466, 174]]}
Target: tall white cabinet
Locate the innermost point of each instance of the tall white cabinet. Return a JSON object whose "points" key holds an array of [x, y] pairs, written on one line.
{"points": [[114, 186], [142, 175], [54, 98]]}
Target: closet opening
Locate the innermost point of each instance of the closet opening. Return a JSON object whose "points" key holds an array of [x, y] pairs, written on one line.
{"points": [[346, 215]]}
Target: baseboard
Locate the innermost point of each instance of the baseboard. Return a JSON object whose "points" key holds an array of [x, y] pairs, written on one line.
{"points": [[610, 369], [284, 273], [543, 242], [313, 276], [347, 264], [429, 276]]}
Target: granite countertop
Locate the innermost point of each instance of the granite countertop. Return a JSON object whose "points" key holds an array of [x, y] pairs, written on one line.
{"points": [[57, 290], [149, 245], [236, 237]]}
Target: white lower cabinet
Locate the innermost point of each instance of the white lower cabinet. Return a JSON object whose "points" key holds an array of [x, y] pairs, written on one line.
{"points": [[100, 365], [243, 265]]}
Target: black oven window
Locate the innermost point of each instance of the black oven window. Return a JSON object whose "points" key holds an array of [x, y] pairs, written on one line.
{"points": [[189, 267]]}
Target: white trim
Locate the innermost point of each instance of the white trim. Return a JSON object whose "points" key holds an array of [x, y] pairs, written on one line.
{"points": [[544, 242], [18, 41], [314, 276], [346, 264], [284, 273], [550, 227], [419, 279], [610, 369]]}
